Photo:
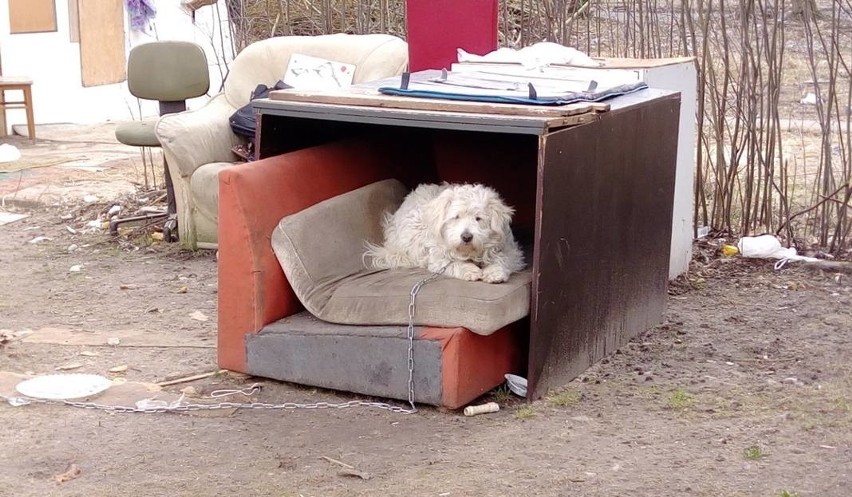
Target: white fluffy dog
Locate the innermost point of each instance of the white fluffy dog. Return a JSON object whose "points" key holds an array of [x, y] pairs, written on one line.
{"points": [[464, 228]]}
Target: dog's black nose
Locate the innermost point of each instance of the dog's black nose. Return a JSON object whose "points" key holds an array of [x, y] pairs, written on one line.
{"points": [[466, 237]]}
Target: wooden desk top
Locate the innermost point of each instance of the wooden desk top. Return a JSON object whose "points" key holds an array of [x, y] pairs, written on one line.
{"points": [[442, 114]]}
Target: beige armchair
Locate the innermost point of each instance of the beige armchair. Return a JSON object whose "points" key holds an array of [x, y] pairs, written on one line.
{"points": [[197, 144]]}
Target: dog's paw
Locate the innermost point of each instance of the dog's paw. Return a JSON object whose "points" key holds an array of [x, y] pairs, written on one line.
{"points": [[495, 274], [469, 272]]}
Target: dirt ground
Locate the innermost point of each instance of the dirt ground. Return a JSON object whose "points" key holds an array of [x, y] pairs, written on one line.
{"points": [[744, 390]]}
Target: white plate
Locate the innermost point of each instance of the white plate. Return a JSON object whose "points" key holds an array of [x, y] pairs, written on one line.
{"points": [[63, 386]]}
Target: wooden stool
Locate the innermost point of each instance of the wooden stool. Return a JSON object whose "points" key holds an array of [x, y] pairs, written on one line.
{"points": [[24, 85]]}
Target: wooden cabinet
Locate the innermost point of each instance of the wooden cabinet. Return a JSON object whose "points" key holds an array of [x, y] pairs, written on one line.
{"points": [[594, 201]]}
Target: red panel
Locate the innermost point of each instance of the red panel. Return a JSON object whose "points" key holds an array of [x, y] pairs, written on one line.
{"points": [[472, 364], [253, 197], [436, 28]]}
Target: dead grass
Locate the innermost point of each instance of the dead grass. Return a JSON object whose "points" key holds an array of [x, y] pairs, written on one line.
{"points": [[565, 398], [525, 412]]}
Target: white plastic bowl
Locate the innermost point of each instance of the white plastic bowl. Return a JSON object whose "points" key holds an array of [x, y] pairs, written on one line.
{"points": [[517, 384]]}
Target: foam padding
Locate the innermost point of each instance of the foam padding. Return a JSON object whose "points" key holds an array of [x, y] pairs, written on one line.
{"points": [[452, 366]]}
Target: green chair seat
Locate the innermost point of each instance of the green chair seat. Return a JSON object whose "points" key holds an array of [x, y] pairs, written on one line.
{"points": [[138, 133]]}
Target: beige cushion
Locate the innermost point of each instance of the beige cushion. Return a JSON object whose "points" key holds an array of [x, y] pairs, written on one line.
{"points": [[205, 188], [320, 250]]}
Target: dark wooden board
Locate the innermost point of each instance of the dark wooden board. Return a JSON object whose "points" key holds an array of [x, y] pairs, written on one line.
{"points": [[604, 202]]}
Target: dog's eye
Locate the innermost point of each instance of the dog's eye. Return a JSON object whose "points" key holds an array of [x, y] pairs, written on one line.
{"points": [[456, 216], [478, 219]]}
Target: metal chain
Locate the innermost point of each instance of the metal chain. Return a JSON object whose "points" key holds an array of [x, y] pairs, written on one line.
{"points": [[411, 308], [151, 407], [158, 406]]}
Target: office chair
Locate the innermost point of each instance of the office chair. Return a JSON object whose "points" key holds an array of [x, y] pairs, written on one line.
{"points": [[169, 72]]}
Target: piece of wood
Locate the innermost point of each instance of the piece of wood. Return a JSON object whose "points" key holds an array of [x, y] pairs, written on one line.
{"points": [[615, 177], [469, 121], [32, 16], [354, 472], [187, 379], [124, 338], [413, 103], [102, 54], [335, 461], [629, 63], [73, 22]]}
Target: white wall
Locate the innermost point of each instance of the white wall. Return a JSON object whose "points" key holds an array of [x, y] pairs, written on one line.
{"points": [[681, 77], [53, 63]]}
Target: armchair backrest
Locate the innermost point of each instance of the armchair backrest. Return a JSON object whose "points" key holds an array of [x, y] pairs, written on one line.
{"points": [[375, 56]]}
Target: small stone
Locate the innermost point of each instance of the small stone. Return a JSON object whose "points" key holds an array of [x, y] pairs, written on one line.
{"points": [[198, 316], [191, 391]]}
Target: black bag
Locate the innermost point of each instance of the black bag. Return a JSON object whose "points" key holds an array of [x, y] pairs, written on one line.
{"points": [[244, 121]]}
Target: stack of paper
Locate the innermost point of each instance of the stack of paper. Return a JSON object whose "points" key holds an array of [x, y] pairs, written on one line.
{"points": [[540, 88]]}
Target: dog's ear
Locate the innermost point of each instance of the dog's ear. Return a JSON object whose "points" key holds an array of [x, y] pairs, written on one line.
{"points": [[435, 212], [501, 216]]}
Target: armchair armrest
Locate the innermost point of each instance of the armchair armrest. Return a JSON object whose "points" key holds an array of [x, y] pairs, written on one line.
{"points": [[197, 137], [253, 197]]}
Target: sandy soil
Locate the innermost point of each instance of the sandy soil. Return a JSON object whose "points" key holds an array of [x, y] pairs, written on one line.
{"points": [[744, 390]]}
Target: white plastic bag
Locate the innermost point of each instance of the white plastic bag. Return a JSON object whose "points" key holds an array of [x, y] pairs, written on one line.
{"points": [[768, 247]]}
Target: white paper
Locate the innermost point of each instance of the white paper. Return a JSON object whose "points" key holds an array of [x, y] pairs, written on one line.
{"points": [[313, 73]]}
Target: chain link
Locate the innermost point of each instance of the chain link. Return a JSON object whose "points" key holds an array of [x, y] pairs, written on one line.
{"points": [[148, 406]]}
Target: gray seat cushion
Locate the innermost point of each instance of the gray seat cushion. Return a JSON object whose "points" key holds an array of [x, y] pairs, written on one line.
{"points": [[320, 250], [138, 133]]}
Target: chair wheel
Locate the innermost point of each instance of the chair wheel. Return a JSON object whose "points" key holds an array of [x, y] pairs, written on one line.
{"points": [[170, 230]]}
